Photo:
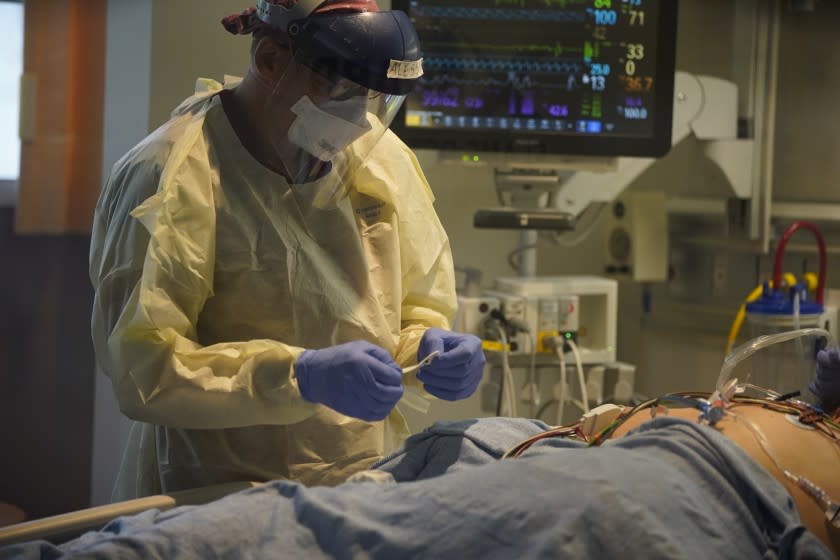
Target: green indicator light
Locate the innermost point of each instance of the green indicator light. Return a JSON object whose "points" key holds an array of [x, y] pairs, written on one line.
{"points": [[475, 158], [568, 335], [465, 158]]}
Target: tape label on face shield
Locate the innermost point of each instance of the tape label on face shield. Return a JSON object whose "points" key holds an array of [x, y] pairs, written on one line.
{"points": [[405, 69]]}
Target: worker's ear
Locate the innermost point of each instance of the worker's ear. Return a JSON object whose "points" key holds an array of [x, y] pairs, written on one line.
{"points": [[271, 57]]}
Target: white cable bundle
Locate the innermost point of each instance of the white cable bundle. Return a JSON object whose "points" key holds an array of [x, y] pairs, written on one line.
{"points": [[508, 407], [562, 397], [584, 395]]}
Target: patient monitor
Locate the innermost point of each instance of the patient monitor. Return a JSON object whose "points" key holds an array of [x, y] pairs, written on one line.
{"points": [[534, 83]]}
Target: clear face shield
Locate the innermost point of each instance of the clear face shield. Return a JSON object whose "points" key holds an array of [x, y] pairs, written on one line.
{"points": [[315, 118], [340, 91]]}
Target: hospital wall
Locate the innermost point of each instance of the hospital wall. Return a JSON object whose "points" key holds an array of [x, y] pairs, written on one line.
{"points": [[158, 47], [128, 94]]}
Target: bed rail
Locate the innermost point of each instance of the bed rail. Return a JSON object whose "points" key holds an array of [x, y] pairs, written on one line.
{"points": [[67, 526]]}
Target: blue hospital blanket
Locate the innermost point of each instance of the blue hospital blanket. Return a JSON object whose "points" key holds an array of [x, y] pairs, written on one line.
{"points": [[671, 489]]}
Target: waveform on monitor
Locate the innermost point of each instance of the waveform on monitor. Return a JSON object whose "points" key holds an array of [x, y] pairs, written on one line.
{"points": [[556, 49], [532, 65], [541, 3], [515, 14], [513, 80]]}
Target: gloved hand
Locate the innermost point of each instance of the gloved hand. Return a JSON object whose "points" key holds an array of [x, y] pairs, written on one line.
{"points": [[456, 372], [826, 385], [357, 379]]}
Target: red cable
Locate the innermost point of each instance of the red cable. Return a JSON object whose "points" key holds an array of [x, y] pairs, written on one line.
{"points": [[777, 266]]}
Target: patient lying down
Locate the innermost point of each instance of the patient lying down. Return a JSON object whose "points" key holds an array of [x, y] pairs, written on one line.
{"points": [[797, 448], [666, 488], [796, 443]]}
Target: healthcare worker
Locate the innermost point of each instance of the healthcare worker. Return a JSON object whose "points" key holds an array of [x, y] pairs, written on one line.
{"points": [[268, 261], [826, 384]]}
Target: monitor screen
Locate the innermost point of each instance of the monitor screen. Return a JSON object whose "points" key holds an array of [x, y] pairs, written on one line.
{"points": [[582, 77]]}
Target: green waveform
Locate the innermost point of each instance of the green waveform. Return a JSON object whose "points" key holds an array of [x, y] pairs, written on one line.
{"points": [[554, 50], [543, 3]]}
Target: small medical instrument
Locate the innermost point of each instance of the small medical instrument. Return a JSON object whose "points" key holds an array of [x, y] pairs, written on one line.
{"points": [[424, 362], [411, 397]]}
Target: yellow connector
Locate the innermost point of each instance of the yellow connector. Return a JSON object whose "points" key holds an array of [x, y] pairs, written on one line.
{"points": [[545, 341], [493, 346], [812, 280]]}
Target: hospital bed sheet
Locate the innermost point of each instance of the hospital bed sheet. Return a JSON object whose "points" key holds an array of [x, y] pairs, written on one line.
{"points": [[672, 489]]}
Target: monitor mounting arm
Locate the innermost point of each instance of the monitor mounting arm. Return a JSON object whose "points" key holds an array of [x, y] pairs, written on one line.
{"points": [[705, 107]]}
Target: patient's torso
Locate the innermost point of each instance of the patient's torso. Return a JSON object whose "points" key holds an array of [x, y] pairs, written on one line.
{"points": [[801, 450]]}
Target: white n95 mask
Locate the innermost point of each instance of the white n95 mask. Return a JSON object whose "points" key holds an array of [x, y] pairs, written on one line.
{"points": [[325, 131]]}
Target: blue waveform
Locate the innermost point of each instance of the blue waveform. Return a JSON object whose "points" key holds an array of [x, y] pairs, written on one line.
{"points": [[519, 102], [512, 80], [530, 65], [460, 12]]}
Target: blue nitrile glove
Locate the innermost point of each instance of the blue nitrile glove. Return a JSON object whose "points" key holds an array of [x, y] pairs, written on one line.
{"points": [[357, 379], [457, 371], [826, 385]]}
